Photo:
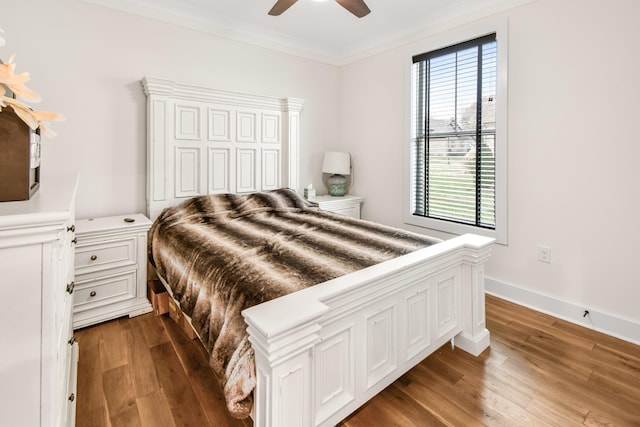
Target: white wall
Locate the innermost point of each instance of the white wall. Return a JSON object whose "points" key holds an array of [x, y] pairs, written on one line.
{"points": [[573, 151], [87, 61], [573, 103]]}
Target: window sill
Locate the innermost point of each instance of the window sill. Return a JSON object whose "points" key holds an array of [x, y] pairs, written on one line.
{"points": [[455, 228]]}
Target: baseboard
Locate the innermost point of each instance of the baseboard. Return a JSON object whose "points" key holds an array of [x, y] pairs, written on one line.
{"points": [[598, 321]]}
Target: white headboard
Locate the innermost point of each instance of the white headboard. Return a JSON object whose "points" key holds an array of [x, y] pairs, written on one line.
{"points": [[206, 141]]}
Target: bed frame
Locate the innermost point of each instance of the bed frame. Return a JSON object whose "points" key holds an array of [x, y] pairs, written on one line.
{"points": [[324, 351]]}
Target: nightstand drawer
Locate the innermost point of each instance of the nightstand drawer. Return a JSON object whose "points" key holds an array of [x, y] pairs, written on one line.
{"points": [[348, 205], [100, 291], [352, 211], [105, 255]]}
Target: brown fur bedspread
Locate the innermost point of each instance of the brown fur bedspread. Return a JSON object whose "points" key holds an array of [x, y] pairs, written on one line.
{"points": [[223, 253]]}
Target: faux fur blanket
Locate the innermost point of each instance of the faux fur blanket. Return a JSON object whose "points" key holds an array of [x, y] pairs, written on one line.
{"points": [[221, 254]]}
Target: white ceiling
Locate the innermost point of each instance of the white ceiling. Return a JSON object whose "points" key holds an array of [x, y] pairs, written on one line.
{"points": [[320, 30]]}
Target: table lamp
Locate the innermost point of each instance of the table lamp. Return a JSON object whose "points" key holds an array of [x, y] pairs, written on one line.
{"points": [[339, 165]]}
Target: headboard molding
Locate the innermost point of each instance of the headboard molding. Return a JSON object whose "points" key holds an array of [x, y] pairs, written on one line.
{"points": [[202, 140]]}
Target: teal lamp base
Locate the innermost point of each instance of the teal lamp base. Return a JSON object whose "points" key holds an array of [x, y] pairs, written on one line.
{"points": [[337, 185]]}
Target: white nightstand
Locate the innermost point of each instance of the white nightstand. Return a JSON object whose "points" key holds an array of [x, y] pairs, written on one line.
{"points": [[110, 269], [348, 204]]}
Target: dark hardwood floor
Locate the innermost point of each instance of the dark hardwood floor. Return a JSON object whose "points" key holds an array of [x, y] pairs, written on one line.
{"points": [[538, 371]]}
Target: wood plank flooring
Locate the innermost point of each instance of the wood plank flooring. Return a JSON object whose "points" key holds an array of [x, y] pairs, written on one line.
{"points": [[539, 371]]}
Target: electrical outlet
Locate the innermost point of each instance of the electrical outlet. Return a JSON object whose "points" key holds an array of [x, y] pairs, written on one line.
{"points": [[544, 254]]}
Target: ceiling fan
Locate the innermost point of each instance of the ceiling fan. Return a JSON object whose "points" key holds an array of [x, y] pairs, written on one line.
{"points": [[357, 7]]}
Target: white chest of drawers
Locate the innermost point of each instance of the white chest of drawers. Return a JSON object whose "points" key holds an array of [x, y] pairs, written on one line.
{"points": [[39, 356], [110, 268]]}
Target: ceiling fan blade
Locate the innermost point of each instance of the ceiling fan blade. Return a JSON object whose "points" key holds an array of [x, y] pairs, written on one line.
{"points": [[281, 6], [357, 7]]}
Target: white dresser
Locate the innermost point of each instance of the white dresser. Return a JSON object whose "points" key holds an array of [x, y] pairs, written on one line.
{"points": [[39, 356], [348, 204], [110, 268]]}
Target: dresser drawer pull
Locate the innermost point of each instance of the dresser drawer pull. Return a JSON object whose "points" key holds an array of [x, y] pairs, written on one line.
{"points": [[74, 241], [72, 228], [72, 397], [92, 294], [72, 340], [94, 257], [70, 287]]}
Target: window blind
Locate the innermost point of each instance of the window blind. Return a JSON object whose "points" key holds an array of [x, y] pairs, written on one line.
{"points": [[453, 133]]}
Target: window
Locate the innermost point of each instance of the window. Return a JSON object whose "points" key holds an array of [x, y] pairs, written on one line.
{"points": [[454, 156]]}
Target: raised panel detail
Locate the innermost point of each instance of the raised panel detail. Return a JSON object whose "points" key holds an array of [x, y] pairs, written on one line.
{"points": [[219, 125], [335, 376], [157, 147], [246, 127], [271, 128], [479, 314], [187, 122], [448, 316], [417, 328], [219, 170], [246, 171], [291, 382], [270, 169], [183, 115], [187, 172], [381, 345]]}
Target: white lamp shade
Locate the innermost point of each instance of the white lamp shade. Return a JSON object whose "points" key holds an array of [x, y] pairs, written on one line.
{"points": [[336, 163]]}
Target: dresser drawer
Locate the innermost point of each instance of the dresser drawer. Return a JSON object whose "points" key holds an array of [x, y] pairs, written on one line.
{"points": [[90, 257], [101, 291]]}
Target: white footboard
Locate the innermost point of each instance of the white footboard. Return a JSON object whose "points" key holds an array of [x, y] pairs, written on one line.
{"points": [[324, 351]]}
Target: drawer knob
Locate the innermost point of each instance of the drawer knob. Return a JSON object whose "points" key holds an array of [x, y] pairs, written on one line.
{"points": [[92, 294], [70, 287], [94, 257], [72, 228], [72, 340], [74, 241], [72, 397]]}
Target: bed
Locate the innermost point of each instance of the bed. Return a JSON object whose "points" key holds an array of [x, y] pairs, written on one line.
{"points": [[330, 340]]}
